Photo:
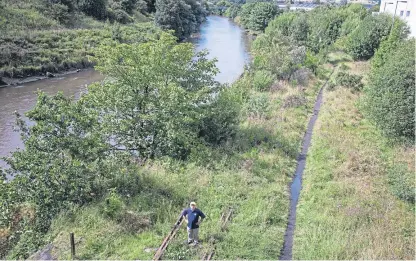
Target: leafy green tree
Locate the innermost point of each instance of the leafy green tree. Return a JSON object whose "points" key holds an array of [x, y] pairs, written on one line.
{"points": [[233, 11], [366, 38], [390, 94], [156, 98], [324, 27], [94, 8], [278, 54], [282, 24], [256, 16], [183, 16], [399, 32]]}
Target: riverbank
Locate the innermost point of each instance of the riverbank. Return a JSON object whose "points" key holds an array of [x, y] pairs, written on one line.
{"points": [[349, 207], [35, 55], [248, 175]]}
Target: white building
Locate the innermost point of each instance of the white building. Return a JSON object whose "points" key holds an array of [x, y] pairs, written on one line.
{"points": [[405, 9]]}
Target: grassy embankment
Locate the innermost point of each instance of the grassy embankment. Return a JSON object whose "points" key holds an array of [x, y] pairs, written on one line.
{"points": [[348, 208], [32, 43], [249, 174]]}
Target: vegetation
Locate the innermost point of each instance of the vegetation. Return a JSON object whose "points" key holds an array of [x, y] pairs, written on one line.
{"points": [[118, 165], [350, 205], [35, 39], [390, 94], [256, 16], [182, 16]]}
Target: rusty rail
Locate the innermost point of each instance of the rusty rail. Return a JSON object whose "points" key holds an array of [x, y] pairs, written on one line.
{"points": [[225, 217], [168, 238]]}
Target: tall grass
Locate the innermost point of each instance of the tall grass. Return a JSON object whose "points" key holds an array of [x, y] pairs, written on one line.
{"points": [[347, 209], [249, 175]]}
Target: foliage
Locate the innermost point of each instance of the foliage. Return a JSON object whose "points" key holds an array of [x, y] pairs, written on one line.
{"points": [[183, 16], [402, 182], [349, 80], [262, 80], [233, 11], [94, 8], [113, 204], [390, 94], [258, 105], [366, 38], [159, 96], [41, 52], [278, 55], [325, 25], [256, 16], [399, 32]]}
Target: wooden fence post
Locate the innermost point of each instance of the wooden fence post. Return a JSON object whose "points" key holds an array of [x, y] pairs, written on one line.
{"points": [[71, 237]]}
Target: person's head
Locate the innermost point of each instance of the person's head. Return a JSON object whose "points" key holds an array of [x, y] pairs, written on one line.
{"points": [[192, 205]]}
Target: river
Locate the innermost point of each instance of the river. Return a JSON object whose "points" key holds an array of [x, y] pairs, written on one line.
{"points": [[224, 40]]}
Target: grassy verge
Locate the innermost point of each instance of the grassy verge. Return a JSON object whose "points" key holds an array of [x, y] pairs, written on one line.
{"points": [[38, 52], [249, 174], [348, 207]]}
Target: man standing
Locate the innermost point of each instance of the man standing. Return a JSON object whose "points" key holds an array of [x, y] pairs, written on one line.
{"points": [[193, 217]]}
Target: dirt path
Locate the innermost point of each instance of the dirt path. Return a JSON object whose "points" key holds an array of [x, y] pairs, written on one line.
{"points": [[296, 186]]}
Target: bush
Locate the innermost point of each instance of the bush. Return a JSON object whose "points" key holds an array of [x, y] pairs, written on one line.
{"points": [[349, 80], [256, 16], [221, 118], [94, 8], [294, 101], [258, 105], [402, 183], [390, 94], [366, 38], [262, 80], [300, 76], [113, 205]]}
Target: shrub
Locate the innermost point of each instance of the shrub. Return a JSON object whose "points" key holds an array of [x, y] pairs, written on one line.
{"points": [[390, 94], [262, 80], [221, 119], [402, 182], [300, 76], [366, 38], [294, 101], [258, 105], [113, 205], [349, 80], [256, 16], [94, 8], [132, 222]]}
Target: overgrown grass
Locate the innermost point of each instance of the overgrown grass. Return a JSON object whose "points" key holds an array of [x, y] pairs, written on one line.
{"points": [[347, 208], [36, 53], [34, 42], [249, 174]]}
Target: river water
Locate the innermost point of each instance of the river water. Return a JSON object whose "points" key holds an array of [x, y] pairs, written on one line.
{"points": [[224, 40]]}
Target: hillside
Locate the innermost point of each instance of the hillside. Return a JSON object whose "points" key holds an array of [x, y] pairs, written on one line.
{"points": [[117, 166], [41, 36]]}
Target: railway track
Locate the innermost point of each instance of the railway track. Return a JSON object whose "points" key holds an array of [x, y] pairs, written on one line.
{"points": [[225, 217]]}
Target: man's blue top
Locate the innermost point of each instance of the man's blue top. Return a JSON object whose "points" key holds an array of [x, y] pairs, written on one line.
{"points": [[193, 217]]}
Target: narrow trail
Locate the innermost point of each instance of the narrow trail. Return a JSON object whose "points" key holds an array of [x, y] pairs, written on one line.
{"points": [[296, 185]]}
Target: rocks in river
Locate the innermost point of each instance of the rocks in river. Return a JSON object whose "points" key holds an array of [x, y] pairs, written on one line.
{"points": [[2, 82], [50, 75]]}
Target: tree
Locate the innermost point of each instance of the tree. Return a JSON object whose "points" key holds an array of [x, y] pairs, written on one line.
{"points": [[366, 38], [390, 94], [256, 16], [94, 8], [232, 11], [156, 98], [399, 32], [324, 27], [183, 16], [278, 54]]}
